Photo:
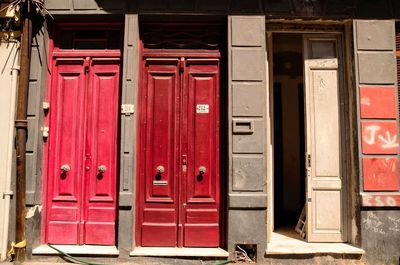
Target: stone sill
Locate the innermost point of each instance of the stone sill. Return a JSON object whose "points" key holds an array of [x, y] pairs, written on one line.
{"points": [[179, 252], [288, 245], [93, 250]]}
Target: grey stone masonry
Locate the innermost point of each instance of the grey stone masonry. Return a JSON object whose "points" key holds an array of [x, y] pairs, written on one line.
{"points": [[128, 133], [247, 198]]}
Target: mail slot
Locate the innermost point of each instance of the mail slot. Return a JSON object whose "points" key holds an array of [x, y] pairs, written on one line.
{"points": [[160, 183], [243, 126]]}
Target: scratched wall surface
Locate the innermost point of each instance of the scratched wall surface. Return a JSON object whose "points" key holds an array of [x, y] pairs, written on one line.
{"points": [[379, 143], [381, 236]]}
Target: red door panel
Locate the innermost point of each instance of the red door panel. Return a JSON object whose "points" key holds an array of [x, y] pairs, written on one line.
{"points": [[178, 205], [64, 186], [201, 223], [160, 105], [83, 137], [101, 152]]}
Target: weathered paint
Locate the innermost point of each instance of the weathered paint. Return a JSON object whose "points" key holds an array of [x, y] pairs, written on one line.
{"points": [[379, 137], [378, 102], [378, 200], [380, 239], [380, 174]]}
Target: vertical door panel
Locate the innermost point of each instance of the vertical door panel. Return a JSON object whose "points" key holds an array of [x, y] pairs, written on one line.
{"points": [[101, 152], [325, 207], [160, 128], [201, 189], [67, 123]]}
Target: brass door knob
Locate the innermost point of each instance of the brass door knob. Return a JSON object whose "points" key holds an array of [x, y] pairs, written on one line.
{"points": [[202, 170], [160, 169], [65, 168], [102, 168]]}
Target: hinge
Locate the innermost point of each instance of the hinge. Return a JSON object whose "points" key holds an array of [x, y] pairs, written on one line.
{"points": [[45, 131], [308, 160], [45, 105], [8, 193]]}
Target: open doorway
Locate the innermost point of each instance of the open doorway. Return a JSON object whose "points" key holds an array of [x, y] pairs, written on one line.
{"points": [[289, 138], [306, 84]]}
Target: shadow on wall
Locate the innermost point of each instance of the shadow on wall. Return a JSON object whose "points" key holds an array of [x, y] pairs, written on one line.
{"points": [[277, 8]]}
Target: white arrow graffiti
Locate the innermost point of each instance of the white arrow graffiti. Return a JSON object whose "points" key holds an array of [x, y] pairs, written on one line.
{"points": [[372, 129], [388, 142]]}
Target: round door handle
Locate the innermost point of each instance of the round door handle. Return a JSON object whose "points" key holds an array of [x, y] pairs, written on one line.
{"points": [[202, 170], [160, 169], [65, 168], [102, 168]]}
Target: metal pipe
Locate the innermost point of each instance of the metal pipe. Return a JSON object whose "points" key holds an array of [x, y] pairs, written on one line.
{"points": [[21, 125], [7, 189]]}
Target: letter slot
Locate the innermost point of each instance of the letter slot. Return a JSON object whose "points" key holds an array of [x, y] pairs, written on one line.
{"points": [[243, 126]]}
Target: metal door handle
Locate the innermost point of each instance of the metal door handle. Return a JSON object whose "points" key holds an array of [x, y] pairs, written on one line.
{"points": [[160, 169], [202, 170], [102, 168], [65, 168]]}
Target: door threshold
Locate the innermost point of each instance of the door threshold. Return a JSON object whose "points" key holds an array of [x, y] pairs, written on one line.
{"points": [[283, 244], [179, 252], [93, 250]]}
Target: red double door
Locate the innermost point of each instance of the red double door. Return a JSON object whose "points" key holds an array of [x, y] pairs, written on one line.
{"points": [[82, 151], [178, 188]]}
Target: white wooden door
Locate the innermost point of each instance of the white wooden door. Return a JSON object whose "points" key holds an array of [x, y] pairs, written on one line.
{"points": [[326, 211]]}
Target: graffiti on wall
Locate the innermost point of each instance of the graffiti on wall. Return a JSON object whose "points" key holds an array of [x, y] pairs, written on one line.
{"points": [[378, 102], [379, 137], [369, 200], [380, 174]]}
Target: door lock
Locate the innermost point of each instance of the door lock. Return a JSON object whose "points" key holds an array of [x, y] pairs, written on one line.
{"points": [[184, 205]]}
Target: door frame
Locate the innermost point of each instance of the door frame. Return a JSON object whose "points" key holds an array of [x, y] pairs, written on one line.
{"points": [[53, 53], [145, 53], [347, 117]]}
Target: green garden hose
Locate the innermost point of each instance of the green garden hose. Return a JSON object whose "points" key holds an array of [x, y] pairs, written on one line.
{"points": [[74, 260]]}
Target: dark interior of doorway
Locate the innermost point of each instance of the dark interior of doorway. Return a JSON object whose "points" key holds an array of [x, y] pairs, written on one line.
{"points": [[289, 137]]}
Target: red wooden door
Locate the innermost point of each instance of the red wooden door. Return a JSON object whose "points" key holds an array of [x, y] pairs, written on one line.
{"points": [[81, 190], [179, 169]]}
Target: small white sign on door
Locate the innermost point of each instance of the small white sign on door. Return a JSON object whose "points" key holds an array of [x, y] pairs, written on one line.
{"points": [[202, 108]]}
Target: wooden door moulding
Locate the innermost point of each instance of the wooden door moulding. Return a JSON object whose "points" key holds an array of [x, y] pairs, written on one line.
{"points": [[206, 36], [100, 70], [171, 193]]}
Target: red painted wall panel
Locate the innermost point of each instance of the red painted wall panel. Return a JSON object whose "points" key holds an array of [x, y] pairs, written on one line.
{"points": [[379, 137], [380, 174], [378, 102]]}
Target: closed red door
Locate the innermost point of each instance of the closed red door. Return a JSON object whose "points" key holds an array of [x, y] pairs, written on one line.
{"points": [[179, 153], [81, 190]]}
